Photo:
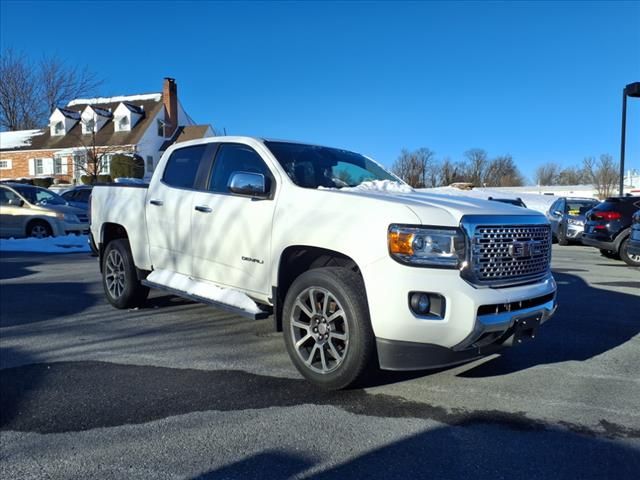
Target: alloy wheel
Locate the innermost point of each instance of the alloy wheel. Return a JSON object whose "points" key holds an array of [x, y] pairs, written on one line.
{"points": [[115, 274]]}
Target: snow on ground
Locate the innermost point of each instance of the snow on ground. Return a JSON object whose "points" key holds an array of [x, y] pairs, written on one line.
{"points": [[67, 244], [203, 289], [540, 203], [20, 138], [123, 98]]}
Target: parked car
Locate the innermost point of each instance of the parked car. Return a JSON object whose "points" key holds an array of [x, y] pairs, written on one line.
{"points": [[511, 201], [355, 265], [633, 248], [78, 196], [608, 228], [567, 217], [31, 211]]}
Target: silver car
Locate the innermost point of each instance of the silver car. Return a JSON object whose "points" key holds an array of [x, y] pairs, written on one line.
{"points": [[31, 211], [567, 216]]}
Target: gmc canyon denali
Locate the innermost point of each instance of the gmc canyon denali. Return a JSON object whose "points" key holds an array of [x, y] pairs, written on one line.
{"points": [[357, 269]]}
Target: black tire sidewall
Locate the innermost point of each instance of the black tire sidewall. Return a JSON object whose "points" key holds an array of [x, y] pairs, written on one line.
{"points": [[39, 222], [348, 288], [134, 293], [624, 254]]}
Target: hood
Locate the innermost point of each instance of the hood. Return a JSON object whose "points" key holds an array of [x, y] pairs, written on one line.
{"points": [[61, 209], [441, 209]]}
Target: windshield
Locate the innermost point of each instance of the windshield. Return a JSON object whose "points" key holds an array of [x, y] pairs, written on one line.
{"points": [[39, 196], [310, 166]]}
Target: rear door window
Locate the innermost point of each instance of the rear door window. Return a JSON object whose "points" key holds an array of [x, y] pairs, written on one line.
{"points": [[182, 167]]}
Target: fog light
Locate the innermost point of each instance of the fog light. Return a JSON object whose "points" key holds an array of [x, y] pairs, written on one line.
{"points": [[420, 303]]}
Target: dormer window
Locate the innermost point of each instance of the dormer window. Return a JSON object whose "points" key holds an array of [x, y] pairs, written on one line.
{"points": [[122, 124], [88, 126], [58, 128], [160, 126]]}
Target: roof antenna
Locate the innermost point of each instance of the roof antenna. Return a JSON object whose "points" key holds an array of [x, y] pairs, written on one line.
{"points": [[224, 129]]}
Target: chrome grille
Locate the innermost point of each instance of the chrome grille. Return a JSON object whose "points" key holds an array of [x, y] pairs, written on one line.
{"points": [[509, 254]]}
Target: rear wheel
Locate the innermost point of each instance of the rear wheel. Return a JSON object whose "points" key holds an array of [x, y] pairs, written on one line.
{"points": [[562, 235], [633, 260], [119, 277], [39, 229], [327, 330]]}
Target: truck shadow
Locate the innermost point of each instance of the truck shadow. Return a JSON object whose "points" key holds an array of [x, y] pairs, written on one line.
{"points": [[589, 321], [481, 451]]}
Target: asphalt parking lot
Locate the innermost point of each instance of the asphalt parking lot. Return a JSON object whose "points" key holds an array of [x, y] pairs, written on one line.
{"points": [[180, 390]]}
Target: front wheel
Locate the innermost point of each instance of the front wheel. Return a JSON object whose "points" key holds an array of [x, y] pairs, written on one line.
{"points": [[39, 229], [327, 330], [119, 277], [633, 260]]}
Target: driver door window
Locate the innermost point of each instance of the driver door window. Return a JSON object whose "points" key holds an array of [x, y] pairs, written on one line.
{"points": [[233, 158]]}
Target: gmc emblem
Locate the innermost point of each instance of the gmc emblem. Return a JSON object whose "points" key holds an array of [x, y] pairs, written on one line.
{"points": [[525, 249]]}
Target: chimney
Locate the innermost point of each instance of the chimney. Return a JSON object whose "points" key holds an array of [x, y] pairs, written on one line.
{"points": [[170, 100]]}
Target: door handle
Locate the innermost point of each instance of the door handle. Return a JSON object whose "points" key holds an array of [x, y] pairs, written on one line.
{"points": [[203, 209], [157, 203]]}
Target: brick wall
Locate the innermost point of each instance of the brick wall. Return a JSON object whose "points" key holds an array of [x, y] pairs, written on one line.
{"points": [[20, 163]]}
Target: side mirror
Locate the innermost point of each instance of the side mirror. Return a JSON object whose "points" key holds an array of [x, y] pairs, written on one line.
{"points": [[248, 183], [16, 202], [557, 213]]}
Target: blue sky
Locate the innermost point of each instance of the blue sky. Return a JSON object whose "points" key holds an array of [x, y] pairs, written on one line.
{"points": [[540, 81]]}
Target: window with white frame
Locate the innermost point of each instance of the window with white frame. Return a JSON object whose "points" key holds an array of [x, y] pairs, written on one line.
{"points": [[88, 126], [160, 125], [105, 164], [149, 164], [38, 166], [58, 128], [6, 164], [59, 165], [123, 124]]}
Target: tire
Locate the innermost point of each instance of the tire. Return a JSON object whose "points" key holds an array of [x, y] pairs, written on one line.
{"points": [[339, 349], [632, 260], [609, 254], [562, 236], [119, 278], [39, 229]]}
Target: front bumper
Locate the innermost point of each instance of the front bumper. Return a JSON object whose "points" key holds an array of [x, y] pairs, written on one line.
{"points": [[475, 318], [575, 232], [75, 228], [601, 244]]}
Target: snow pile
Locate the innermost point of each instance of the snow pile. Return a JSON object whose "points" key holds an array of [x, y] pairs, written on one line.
{"points": [[203, 289], [131, 181], [67, 244], [534, 201], [384, 186], [123, 98], [20, 138]]}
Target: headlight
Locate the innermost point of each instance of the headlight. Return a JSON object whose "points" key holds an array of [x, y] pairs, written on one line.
{"points": [[573, 221], [435, 247], [70, 218]]}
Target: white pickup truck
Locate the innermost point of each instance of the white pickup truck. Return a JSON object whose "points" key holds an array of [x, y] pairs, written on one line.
{"points": [[357, 269]]}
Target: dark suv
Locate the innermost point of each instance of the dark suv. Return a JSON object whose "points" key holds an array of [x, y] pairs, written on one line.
{"points": [[608, 227]]}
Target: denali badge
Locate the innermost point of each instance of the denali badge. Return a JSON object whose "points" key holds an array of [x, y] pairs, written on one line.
{"points": [[525, 249], [253, 260]]}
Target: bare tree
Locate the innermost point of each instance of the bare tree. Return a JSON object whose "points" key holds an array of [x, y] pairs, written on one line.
{"points": [[417, 168], [475, 166], [502, 172], [449, 172], [61, 83], [572, 176], [602, 174], [29, 91], [91, 159], [547, 174]]}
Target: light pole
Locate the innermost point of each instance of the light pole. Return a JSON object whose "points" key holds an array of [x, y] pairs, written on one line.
{"points": [[631, 90]]}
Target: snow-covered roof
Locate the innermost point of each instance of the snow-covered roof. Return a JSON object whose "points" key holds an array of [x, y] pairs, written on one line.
{"points": [[19, 138], [70, 113], [123, 98]]}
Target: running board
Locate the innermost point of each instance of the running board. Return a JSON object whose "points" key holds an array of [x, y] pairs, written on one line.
{"points": [[222, 306]]}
